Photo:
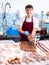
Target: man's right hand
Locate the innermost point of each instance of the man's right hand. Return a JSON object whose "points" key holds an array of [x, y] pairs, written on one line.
{"points": [[26, 33]]}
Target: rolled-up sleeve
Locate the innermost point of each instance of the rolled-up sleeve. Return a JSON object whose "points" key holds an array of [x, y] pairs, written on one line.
{"points": [[35, 23], [20, 22]]}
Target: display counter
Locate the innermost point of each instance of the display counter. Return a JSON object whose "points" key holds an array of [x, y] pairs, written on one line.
{"points": [[12, 54]]}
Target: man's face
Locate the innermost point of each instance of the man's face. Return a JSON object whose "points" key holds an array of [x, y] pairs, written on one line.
{"points": [[29, 11]]}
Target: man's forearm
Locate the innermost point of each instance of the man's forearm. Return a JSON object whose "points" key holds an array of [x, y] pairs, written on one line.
{"points": [[23, 32], [20, 29], [34, 31]]}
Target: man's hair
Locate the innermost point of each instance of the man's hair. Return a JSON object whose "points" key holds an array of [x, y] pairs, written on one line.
{"points": [[29, 6]]}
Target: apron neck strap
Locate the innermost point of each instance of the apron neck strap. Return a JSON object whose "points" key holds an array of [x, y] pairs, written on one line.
{"points": [[31, 18]]}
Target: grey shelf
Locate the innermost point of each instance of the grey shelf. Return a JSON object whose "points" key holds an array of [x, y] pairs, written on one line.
{"points": [[15, 38]]}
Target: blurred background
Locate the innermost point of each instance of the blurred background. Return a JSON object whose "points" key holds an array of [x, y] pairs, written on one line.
{"points": [[12, 10]]}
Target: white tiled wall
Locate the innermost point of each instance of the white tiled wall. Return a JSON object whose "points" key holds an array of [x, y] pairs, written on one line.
{"points": [[39, 5]]}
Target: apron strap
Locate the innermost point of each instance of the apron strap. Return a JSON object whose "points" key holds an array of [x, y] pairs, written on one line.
{"points": [[31, 18]]}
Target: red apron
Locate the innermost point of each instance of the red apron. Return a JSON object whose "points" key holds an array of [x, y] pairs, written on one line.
{"points": [[27, 26]]}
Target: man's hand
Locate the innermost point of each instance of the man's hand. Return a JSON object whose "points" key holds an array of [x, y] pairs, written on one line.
{"points": [[31, 38], [26, 33]]}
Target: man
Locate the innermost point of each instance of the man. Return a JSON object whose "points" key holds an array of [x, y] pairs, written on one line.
{"points": [[28, 25]]}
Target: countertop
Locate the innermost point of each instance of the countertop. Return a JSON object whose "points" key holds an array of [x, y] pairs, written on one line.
{"points": [[9, 50]]}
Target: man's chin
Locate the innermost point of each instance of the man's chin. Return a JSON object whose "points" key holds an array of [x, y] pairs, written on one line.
{"points": [[29, 15]]}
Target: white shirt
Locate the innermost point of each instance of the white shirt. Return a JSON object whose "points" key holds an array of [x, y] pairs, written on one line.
{"points": [[47, 20], [35, 22]]}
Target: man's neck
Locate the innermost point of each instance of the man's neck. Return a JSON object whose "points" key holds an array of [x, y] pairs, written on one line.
{"points": [[29, 16]]}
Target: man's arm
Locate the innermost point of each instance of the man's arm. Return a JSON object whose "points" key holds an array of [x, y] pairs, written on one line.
{"points": [[23, 32], [20, 29], [35, 25], [34, 31]]}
